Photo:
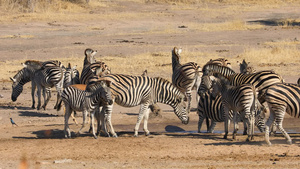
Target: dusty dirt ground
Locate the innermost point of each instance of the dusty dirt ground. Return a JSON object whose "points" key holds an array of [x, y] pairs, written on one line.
{"points": [[38, 140]]}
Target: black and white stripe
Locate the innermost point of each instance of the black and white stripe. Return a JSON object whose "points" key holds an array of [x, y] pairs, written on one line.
{"points": [[241, 99], [45, 79], [130, 91], [260, 80], [186, 77], [26, 75], [282, 98], [212, 108]]}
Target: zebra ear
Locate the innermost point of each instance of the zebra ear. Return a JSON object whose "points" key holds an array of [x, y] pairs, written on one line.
{"points": [[24, 65], [12, 79], [74, 67]]}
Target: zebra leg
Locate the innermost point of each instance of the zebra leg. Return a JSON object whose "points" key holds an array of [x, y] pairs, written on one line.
{"points": [[84, 116], [189, 99], [73, 117], [278, 121], [107, 121], [234, 125], [200, 121], [59, 88], [93, 124], [212, 126], [68, 112], [33, 87], [39, 97], [139, 119], [146, 117], [47, 96], [226, 122], [268, 124]]}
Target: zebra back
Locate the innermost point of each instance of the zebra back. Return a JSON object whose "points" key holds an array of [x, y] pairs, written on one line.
{"points": [[131, 91], [220, 61]]}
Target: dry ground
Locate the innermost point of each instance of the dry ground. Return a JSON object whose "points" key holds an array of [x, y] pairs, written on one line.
{"points": [[128, 29]]}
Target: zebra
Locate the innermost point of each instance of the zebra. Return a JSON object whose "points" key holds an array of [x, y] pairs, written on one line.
{"points": [[130, 91], [220, 62], [97, 68], [298, 82], [282, 98], [260, 80], [212, 108], [241, 99], [26, 75], [46, 78], [186, 77], [245, 68], [85, 98]]}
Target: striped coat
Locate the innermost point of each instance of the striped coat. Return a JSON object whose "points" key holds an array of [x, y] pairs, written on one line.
{"points": [[130, 91]]}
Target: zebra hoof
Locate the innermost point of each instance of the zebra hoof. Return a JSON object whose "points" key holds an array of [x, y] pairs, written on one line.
{"points": [[289, 142], [225, 137], [95, 137], [115, 135], [33, 107]]}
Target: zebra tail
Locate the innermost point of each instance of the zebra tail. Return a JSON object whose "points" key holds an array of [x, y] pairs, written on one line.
{"points": [[58, 106]]}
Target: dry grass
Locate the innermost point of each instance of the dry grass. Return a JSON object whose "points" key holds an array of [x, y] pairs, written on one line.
{"points": [[282, 57]]}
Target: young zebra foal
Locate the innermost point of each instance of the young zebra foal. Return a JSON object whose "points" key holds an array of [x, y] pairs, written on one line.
{"points": [[241, 99], [85, 98]]}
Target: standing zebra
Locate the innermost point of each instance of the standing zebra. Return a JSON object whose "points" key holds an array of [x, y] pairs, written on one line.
{"points": [[130, 91], [85, 98], [241, 99], [220, 62], [212, 108], [44, 80], [26, 75], [260, 80], [185, 76], [282, 98]]}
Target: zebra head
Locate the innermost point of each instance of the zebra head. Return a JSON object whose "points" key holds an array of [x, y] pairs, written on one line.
{"points": [[180, 109], [23, 76], [89, 56], [101, 87], [205, 85]]}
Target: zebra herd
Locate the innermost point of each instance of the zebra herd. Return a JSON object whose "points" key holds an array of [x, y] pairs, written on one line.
{"points": [[222, 94]]}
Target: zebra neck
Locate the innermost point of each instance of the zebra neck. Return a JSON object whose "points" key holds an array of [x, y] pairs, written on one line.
{"points": [[175, 63]]}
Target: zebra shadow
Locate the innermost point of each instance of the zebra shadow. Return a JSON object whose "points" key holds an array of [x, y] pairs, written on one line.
{"points": [[55, 134], [35, 114], [9, 107]]}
